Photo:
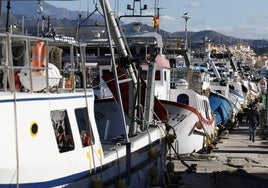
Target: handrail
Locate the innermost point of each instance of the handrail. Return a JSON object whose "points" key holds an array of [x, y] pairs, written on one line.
{"points": [[8, 68]]}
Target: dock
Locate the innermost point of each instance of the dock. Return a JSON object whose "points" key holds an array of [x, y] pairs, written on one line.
{"points": [[235, 162]]}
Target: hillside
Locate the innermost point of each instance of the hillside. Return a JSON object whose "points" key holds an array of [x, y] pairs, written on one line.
{"points": [[64, 22]]}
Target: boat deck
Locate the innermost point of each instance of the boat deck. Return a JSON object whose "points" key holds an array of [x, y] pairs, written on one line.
{"points": [[120, 140]]}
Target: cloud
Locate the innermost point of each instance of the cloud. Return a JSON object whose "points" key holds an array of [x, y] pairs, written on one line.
{"points": [[169, 23], [259, 20], [168, 18], [245, 32], [194, 5]]}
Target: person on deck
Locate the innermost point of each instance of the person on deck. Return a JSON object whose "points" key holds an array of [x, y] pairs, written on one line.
{"points": [[253, 121]]}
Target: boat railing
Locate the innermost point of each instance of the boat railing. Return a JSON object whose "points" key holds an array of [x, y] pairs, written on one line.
{"points": [[20, 72]]}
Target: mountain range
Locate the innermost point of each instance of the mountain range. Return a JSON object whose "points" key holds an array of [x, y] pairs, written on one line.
{"points": [[65, 22]]}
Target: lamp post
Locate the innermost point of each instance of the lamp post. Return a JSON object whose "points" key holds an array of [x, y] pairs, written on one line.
{"points": [[186, 17], [265, 127]]}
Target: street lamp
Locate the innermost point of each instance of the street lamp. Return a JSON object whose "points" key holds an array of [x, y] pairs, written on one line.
{"points": [[186, 17], [39, 9]]}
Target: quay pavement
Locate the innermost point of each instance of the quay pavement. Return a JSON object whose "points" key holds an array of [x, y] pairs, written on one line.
{"points": [[236, 162]]}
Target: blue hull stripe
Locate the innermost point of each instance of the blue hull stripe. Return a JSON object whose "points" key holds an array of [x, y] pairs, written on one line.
{"points": [[83, 175], [46, 98]]}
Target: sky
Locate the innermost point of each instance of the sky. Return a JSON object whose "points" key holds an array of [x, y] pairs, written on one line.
{"points": [[247, 19]]}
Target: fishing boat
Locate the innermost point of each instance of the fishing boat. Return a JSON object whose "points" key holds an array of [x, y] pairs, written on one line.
{"points": [[53, 134], [183, 118], [221, 107], [190, 115], [227, 84], [192, 123], [200, 80]]}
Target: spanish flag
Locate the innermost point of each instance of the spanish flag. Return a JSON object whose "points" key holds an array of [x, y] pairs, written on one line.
{"points": [[156, 22]]}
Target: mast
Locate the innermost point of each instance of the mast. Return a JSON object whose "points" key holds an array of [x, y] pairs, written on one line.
{"points": [[0, 10], [157, 15], [208, 58], [122, 50], [7, 19]]}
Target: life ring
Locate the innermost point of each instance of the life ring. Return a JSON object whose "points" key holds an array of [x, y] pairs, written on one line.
{"points": [[39, 57]]}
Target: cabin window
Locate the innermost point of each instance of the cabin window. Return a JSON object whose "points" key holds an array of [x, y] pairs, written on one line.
{"points": [[165, 75], [244, 89], [144, 74], [62, 130], [206, 109], [183, 98], [231, 87], [157, 75], [84, 126]]}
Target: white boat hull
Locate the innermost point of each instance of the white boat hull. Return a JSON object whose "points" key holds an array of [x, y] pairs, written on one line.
{"points": [[189, 138], [35, 160]]}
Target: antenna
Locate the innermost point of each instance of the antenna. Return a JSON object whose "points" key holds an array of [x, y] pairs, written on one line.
{"points": [[133, 7]]}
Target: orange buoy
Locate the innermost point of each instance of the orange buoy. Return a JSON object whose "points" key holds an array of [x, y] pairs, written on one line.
{"points": [[39, 57], [199, 125], [170, 138], [153, 153], [97, 183], [68, 83]]}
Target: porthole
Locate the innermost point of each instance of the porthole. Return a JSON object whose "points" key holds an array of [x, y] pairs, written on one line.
{"points": [[34, 128]]}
